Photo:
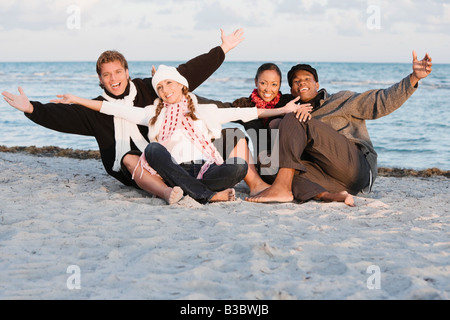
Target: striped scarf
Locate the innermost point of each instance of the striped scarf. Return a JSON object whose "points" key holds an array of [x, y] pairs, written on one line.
{"points": [[176, 119]]}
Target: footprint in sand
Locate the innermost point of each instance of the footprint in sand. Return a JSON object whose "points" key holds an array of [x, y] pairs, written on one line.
{"points": [[328, 265]]}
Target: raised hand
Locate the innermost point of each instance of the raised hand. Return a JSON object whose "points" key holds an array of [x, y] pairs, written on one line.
{"points": [[20, 102], [421, 69], [232, 40]]}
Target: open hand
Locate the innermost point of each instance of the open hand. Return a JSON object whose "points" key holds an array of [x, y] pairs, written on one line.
{"points": [[66, 98], [20, 102], [231, 41]]}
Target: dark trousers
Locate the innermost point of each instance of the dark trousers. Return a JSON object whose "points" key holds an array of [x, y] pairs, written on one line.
{"points": [[216, 178], [228, 141], [324, 159]]}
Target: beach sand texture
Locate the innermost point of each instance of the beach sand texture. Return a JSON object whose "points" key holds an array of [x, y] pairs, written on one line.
{"points": [[56, 212]]}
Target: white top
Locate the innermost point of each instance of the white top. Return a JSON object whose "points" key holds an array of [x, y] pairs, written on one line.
{"points": [[210, 120]]}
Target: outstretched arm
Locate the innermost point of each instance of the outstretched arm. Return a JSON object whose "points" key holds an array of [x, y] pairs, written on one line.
{"points": [[72, 119], [421, 69], [20, 102], [302, 111], [135, 115], [72, 99], [247, 114]]}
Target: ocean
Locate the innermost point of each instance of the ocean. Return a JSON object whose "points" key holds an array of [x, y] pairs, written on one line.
{"points": [[416, 136]]}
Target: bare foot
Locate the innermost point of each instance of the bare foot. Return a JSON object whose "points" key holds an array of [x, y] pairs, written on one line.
{"points": [[257, 189], [173, 195], [225, 195], [273, 194], [343, 196]]}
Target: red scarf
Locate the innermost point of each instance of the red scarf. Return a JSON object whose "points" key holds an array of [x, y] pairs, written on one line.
{"points": [[261, 104], [176, 119]]}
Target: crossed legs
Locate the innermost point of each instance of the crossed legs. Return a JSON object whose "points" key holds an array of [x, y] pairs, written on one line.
{"points": [[217, 181]]}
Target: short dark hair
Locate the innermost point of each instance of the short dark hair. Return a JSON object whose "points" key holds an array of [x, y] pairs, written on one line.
{"points": [[299, 67]]}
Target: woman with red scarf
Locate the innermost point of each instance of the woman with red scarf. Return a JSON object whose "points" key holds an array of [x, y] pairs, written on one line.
{"points": [[266, 95]]}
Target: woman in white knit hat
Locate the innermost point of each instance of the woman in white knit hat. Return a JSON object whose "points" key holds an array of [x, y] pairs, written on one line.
{"points": [[181, 131]]}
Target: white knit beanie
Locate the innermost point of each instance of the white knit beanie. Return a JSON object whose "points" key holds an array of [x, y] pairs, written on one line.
{"points": [[166, 73]]}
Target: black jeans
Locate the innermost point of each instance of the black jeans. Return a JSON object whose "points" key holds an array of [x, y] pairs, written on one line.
{"points": [[216, 178]]}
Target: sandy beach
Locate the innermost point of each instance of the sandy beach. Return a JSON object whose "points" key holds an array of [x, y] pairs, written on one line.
{"points": [[58, 212]]}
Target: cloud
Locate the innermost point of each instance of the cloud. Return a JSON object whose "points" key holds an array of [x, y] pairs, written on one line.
{"points": [[301, 9], [216, 15], [32, 15], [235, 13], [419, 16], [317, 30]]}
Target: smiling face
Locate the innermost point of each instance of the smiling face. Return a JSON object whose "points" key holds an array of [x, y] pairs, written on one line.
{"points": [[114, 77], [304, 85], [268, 85], [170, 91]]}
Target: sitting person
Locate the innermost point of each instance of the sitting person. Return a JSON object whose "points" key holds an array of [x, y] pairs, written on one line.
{"points": [[266, 95], [121, 143], [180, 132], [331, 156]]}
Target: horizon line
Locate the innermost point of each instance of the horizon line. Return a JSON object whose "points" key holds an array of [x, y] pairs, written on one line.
{"points": [[238, 61]]}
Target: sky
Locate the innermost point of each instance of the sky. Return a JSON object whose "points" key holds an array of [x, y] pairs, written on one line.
{"points": [[275, 30]]}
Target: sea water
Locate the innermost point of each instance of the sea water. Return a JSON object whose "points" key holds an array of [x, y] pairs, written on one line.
{"points": [[416, 136]]}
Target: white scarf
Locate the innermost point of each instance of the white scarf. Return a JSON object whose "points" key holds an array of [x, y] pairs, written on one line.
{"points": [[124, 130]]}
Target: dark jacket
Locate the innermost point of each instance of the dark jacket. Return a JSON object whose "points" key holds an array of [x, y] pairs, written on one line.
{"points": [[77, 119]]}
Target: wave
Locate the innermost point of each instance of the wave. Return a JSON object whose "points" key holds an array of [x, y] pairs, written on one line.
{"points": [[231, 79], [41, 74], [445, 86], [400, 149]]}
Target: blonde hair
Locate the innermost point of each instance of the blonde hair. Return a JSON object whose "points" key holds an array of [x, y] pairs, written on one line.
{"points": [[191, 107]]}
